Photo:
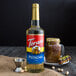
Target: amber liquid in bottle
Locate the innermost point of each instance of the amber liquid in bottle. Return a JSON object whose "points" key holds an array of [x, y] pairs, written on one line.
{"points": [[35, 30]]}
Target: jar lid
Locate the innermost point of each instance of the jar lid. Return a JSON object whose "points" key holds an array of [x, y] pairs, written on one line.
{"points": [[53, 39]]}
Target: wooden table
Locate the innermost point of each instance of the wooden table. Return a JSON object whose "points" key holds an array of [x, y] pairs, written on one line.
{"points": [[20, 52]]}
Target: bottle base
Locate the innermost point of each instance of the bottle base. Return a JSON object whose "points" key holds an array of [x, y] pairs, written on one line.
{"points": [[35, 70]]}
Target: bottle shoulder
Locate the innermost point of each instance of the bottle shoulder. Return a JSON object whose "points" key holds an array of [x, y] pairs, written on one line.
{"points": [[35, 30]]}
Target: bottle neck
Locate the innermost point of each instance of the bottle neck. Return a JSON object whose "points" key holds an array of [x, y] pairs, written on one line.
{"points": [[35, 15], [35, 23]]}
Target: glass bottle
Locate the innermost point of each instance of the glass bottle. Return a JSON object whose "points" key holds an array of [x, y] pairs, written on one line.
{"points": [[35, 43]]}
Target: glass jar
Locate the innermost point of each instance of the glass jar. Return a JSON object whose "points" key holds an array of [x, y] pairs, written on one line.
{"points": [[52, 50]]}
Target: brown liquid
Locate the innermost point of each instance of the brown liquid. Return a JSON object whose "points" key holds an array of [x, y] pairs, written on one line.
{"points": [[53, 52]]}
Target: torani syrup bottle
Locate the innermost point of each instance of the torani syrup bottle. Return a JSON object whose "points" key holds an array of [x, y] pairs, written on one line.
{"points": [[35, 43]]}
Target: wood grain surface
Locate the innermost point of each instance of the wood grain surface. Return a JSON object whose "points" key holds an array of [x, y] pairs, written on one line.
{"points": [[20, 52]]}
